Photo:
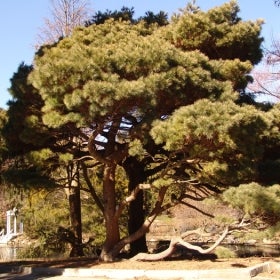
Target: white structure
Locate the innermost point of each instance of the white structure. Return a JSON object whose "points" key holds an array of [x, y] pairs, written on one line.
{"points": [[11, 226], [11, 214]]}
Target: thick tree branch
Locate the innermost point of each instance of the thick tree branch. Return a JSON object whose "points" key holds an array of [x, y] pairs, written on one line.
{"points": [[130, 198], [180, 241]]}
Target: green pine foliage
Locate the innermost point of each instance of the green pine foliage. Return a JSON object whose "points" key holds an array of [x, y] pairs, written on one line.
{"points": [[256, 200], [219, 32], [227, 140], [132, 64]]}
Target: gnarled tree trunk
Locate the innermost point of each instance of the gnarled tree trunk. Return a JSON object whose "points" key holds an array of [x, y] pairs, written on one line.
{"points": [[76, 221], [75, 211], [136, 216], [110, 217]]}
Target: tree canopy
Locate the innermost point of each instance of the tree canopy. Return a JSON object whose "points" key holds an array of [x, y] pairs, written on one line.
{"points": [[127, 62]]}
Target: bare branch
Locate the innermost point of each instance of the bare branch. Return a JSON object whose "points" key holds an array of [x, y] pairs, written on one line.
{"points": [[65, 16], [92, 189]]}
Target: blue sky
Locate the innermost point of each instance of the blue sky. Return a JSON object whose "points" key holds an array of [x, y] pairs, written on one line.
{"points": [[20, 21]]}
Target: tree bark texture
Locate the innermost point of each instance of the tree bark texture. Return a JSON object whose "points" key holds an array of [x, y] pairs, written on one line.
{"points": [[76, 220], [135, 172], [110, 217]]}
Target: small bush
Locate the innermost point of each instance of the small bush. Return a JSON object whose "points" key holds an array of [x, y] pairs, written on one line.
{"points": [[224, 253], [38, 251]]}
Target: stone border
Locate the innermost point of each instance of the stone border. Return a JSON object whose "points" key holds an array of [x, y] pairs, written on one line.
{"points": [[265, 267]]}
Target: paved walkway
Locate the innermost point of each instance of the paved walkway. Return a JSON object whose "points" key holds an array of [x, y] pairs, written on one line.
{"points": [[45, 273]]}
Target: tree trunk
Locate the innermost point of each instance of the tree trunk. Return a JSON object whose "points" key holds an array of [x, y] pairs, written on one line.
{"points": [[75, 219], [110, 217], [136, 214]]}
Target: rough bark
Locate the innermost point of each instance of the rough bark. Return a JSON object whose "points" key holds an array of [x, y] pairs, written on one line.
{"points": [[75, 215], [110, 217], [110, 153], [76, 222], [148, 221], [136, 213]]}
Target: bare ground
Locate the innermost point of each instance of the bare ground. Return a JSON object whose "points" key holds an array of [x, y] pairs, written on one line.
{"points": [[12, 266], [186, 264], [129, 264]]}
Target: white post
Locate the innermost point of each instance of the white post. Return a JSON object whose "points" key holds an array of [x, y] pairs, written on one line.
{"points": [[15, 224], [8, 226]]}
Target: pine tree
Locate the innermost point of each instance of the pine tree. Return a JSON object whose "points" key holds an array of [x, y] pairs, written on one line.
{"points": [[123, 84]]}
